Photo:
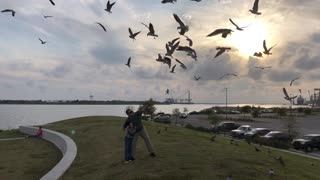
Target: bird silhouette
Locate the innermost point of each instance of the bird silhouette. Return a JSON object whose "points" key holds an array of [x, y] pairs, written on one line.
{"points": [[258, 54], [104, 29], [228, 75], [167, 91], [171, 49], [172, 70], [109, 6], [286, 95], [181, 64], [13, 13], [189, 40], [255, 8], [197, 78], [266, 50], [128, 62], [133, 35], [293, 80], [47, 17], [300, 91], [183, 28], [186, 49], [168, 1], [173, 42], [42, 42], [221, 50], [51, 1], [238, 28], [151, 30], [224, 32], [165, 60], [196, 0], [263, 67]]}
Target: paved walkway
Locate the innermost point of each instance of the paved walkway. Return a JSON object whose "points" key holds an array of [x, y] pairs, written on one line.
{"points": [[11, 139]]}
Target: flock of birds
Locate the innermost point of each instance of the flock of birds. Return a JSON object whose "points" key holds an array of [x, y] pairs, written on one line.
{"points": [[174, 45]]}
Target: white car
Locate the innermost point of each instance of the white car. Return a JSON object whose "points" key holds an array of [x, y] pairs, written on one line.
{"points": [[162, 117], [239, 133]]}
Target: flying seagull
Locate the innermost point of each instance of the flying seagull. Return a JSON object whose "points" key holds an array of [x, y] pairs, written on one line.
{"points": [[181, 64], [133, 35], [51, 1], [255, 8], [189, 40], [228, 75], [42, 42], [293, 80], [13, 13], [286, 95], [102, 26], [151, 30], [183, 28], [197, 78], [128, 63], [263, 67], [109, 6], [300, 91], [172, 70], [173, 41], [47, 17], [167, 91], [224, 32], [266, 50], [258, 54], [221, 50], [196, 0], [238, 28], [168, 1], [165, 60], [170, 50]]}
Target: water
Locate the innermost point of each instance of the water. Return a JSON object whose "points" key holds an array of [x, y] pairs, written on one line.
{"points": [[13, 116]]}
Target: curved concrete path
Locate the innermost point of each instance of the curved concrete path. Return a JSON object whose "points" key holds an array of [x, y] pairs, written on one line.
{"points": [[63, 142]]}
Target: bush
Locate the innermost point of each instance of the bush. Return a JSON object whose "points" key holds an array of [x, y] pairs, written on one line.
{"points": [[307, 111], [282, 111], [201, 129], [300, 110], [255, 113], [163, 121]]}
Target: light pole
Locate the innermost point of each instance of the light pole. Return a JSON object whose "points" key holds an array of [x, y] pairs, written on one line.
{"points": [[226, 103]]}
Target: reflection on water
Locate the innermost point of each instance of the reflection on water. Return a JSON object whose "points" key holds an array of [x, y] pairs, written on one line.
{"points": [[12, 116]]}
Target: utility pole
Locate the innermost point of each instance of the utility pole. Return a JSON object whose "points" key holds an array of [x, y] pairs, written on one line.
{"points": [[226, 103]]}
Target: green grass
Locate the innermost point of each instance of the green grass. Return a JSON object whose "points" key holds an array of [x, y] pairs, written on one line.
{"points": [[181, 154], [27, 158]]}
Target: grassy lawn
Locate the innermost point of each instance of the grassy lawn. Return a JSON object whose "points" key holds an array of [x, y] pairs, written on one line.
{"points": [[181, 154], [27, 158]]}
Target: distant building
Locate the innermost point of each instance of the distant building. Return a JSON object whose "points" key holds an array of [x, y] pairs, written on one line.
{"points": [[300, 100]]}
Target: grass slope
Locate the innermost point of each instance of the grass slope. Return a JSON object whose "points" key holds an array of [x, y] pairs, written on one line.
{"points": [[181, 154], [27, 158]]}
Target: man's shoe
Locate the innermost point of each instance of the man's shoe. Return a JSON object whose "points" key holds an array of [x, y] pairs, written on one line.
{"points": [[152, 154], [132, 159]]}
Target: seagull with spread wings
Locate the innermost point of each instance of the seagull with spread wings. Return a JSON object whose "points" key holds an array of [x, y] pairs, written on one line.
{"points": [[109, 6], [238, 28], [129, 62], [224, 32], [189, 40], [165, 60], [173, 41], [197, 78], [263, 67], [133, 35], [13, 13], [266, 50], [47, 16], [183, 28], [168, 1], [151, 30], [228, 75], [293, 80], [258, 54], [170, 50], [255, 8], [51, 1], [104, 29], [42, 42], [221, 50], [286, 95]]}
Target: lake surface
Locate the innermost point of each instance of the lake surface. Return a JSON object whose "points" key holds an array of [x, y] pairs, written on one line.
{"points": [[13, 116]]}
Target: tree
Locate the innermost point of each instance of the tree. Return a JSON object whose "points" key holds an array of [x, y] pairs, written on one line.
{"points": [[176, 112], [307, 111], [245, 110], [255, 113], [282, 112], [148, 106], [290, 126], [185, 110]]}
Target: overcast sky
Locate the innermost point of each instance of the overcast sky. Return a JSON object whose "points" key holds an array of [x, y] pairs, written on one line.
{"points": [[80, 59]]}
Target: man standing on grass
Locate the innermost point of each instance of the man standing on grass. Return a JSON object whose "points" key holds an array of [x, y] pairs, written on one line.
{"points": [[135, 119]]}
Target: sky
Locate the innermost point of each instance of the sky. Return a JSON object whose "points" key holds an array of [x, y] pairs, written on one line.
{"points": [[80, 59]]}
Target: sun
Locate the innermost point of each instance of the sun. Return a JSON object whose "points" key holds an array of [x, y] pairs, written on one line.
{"points": [[249, 40]]}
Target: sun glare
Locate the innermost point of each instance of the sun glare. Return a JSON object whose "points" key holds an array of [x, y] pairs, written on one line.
{"points": [[250, 40]]}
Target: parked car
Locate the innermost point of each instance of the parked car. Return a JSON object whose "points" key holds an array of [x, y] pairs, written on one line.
{"points": [[277, 136], [256, 132], [225, 126], [307, 142], [183, 115], [163, 118], [240, 131]]}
